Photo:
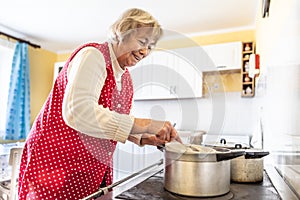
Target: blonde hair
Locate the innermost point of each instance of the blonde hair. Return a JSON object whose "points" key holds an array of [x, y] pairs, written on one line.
{"points": [[133, 19]]}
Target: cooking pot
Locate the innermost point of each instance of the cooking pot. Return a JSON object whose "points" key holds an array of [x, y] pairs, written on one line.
{"points": [[199, 171], [248, 168]]}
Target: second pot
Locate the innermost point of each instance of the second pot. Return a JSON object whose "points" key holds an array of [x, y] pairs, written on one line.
{"points": [[248, 168]]}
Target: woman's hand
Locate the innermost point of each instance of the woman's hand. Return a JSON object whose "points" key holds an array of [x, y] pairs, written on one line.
{"points": [[155, 132]]}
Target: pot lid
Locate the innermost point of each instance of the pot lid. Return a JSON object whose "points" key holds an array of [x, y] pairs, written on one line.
{"points": [[198, 153]]}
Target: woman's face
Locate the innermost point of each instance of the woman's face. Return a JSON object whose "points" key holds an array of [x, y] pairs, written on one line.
{"points": [[133, 48]]}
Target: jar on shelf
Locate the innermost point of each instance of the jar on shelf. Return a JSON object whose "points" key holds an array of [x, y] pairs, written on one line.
{"points": [[246, 56], [247, 47], [246, 66], [247, 78], [248, 90]]}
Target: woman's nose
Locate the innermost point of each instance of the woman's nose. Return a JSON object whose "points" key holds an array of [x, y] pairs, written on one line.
{"points": [[144, 52]]}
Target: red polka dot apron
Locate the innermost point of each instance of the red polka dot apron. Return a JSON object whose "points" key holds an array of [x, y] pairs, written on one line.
{"points": [[59, 162]]}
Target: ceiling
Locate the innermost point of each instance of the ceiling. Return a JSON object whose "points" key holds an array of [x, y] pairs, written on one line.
{"points": [[62, 25]]}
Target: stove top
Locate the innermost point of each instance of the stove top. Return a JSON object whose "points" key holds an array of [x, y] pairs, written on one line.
{"points": [[153, 189]]}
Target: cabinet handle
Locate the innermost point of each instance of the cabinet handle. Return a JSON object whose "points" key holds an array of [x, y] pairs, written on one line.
{"points": [[221, 66], [173, 89]]}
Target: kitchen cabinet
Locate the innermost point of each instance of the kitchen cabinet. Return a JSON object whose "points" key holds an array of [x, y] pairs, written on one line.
{"points": [[248, 83], [224, 56], [129, 158], [168, 74]]}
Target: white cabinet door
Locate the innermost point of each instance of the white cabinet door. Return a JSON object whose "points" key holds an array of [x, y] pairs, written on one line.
{"points": [[163, 68], [190, 74], [167, 75], [142, 79], [225, 56], [129, 158]]}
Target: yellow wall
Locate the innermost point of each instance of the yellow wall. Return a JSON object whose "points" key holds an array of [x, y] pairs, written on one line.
{"points": [[41, 77], [63, 57], [244, 36]]}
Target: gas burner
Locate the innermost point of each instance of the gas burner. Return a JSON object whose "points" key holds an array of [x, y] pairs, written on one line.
{"points": [[153, 189], [226, 196]]}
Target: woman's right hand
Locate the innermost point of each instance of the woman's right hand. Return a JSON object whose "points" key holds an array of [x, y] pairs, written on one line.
{"points": [[154, 132]]}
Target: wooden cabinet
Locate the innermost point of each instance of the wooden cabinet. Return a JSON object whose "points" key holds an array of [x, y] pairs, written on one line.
{"points": [[248, 83]]}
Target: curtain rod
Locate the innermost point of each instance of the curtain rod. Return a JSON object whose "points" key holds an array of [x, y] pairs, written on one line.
{"points": [[21, 40]]}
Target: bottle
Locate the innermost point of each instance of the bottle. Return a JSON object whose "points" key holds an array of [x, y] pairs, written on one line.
{"points": [[247, 47], [246, 66], [246, 79], [248, 90]]}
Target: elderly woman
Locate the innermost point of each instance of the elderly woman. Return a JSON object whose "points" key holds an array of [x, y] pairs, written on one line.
{"points": [[68, 153]]}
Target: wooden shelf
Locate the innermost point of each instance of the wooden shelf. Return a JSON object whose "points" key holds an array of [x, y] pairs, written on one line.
{"points": [[247, 95], [246, 52], [248, 84]]}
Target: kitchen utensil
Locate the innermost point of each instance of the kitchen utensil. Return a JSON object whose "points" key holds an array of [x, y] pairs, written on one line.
{"points": [[162, 146], [198, 171], [173, 146]]}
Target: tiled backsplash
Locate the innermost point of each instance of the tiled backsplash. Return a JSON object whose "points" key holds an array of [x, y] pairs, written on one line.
{"points": [[236, 115]]}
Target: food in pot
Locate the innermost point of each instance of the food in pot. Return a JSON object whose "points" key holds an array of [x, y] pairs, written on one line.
{"points": [[188, 148], [199, 149]]}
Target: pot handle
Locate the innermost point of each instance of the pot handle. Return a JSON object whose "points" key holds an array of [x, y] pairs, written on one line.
{"points": [[230, 155], [222, 141], [253, 155], [161, 147]]}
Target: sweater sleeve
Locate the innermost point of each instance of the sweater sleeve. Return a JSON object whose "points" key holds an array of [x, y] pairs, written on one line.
{"points": [[80, 109]]}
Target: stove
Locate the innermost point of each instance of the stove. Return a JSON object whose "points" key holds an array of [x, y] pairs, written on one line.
{"points": [[153, 189]]}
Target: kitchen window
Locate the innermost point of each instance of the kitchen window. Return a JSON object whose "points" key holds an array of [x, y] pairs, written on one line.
{"points": [[6, 57]]}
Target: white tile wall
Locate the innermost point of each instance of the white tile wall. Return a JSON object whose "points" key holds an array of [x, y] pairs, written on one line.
{"points": [[236, 115]]}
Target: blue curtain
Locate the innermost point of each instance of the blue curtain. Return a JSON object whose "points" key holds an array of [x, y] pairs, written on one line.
{"points": [[18, 106]]}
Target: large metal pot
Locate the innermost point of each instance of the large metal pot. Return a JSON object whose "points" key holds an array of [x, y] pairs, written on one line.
{"points": [[198, 174]]}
